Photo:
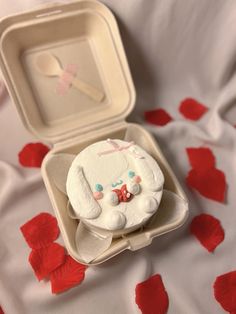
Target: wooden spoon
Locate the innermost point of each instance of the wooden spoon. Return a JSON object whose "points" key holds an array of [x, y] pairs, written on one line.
{"points": [[49, 65]]}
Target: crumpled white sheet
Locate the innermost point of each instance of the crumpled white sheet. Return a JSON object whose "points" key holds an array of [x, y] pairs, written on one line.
{"points": [[176, 49]]}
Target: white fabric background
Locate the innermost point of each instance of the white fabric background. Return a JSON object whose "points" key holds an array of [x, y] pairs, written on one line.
{"points": [[176, 49]]}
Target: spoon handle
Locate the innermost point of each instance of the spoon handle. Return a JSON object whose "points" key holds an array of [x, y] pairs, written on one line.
{"points": [[89, 90]]}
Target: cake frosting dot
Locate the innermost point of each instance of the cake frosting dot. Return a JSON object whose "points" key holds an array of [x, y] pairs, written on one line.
{"points": [[98, 195], [99, 187], [131, 174]]}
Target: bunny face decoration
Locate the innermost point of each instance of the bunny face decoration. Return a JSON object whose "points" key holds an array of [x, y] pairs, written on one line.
{"points": [[115, 186], [111, 188]]}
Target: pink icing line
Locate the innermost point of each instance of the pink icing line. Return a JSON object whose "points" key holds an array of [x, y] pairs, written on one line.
{"points": [[136, 155], [116, 148], [113, 143]]}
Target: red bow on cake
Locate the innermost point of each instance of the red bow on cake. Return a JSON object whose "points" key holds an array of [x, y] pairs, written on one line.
{"points": [[123, 194]]}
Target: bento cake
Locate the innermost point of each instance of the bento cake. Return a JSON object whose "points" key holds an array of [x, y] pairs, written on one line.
{"points": [[114, 185]]}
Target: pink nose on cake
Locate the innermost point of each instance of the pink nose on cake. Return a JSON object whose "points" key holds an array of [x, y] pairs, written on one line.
{"points": [[123, 194]]}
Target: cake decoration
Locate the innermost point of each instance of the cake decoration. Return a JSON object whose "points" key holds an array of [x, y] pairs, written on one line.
{"points": [[133, 188], [115, 220], [137, 179], [148, 204], [108, 164], [113, 187], [116, 147], [112, 198], [99, 187], [131, 174], [98, 195], [117, 183], [123, 194], [82, 199], [151, 179]]}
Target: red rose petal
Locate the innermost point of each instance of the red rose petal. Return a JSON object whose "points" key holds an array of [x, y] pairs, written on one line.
{"points": [[47, 259], [70, 274], [201, 158], [210, 183], [204, 177], [40, 231], [225, 291], [208, 230], [151, 296], [158, 117], [1, 310], [32, 154], [192, 109]]}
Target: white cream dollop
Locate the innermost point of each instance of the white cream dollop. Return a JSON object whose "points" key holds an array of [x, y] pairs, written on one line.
{"points": [[111, 198], [133, 188], [115, 220], [148, 204]]}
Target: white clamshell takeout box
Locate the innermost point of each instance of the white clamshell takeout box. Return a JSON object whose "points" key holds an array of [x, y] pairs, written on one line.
{"points": [[85, 33]]}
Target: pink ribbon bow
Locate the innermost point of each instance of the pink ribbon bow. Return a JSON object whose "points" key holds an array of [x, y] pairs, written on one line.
{"points": [[118, 148], [66, 79]]}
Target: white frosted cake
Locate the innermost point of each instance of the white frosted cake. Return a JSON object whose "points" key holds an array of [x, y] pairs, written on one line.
{"points": [[114, 185]]}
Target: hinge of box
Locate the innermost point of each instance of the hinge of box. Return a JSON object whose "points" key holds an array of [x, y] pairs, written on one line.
{"points": [[139, 241]]}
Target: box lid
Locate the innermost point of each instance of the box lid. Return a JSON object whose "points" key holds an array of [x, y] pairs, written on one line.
{"points": [[84, 39]]}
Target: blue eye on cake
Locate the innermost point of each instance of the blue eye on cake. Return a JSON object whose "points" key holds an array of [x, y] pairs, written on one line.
{"points": [[98, 187], [131, 174], [98, 194]]}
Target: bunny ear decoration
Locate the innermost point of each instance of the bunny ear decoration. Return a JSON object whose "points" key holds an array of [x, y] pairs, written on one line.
{"points": [[83, 203], [153, 180], [58, 167], [152, 176]]}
